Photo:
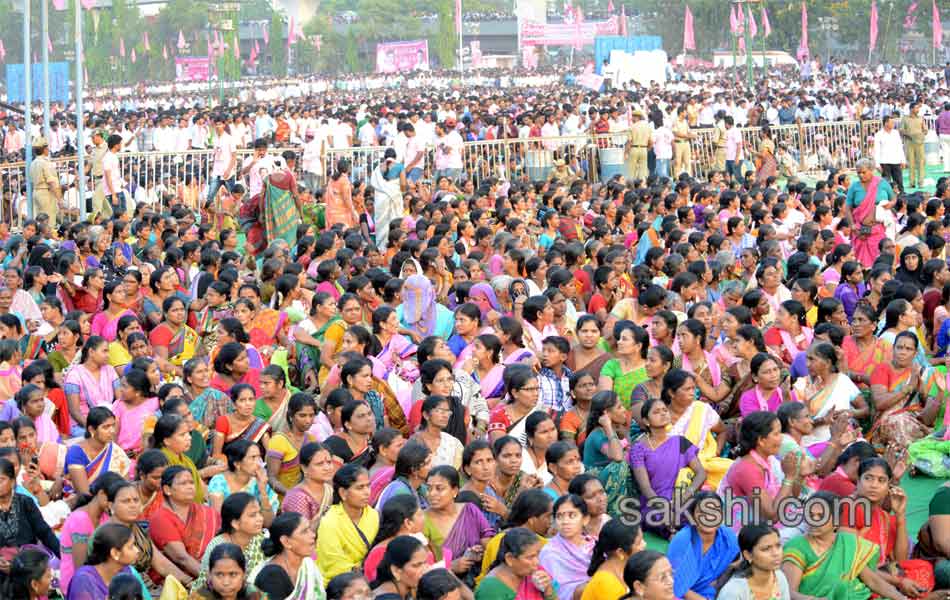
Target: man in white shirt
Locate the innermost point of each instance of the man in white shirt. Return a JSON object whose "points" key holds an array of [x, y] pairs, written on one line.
{"points": [[448, 151], [314, 153], [224, 159], [341, 134], [111, 176], [367, 133], [199, 134], [260, 166], [415, 153], [889, 153]]}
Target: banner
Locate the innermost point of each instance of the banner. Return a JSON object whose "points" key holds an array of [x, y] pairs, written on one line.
{"points": [[398, 57], [59, 84], [191, 68], [566, 34]]}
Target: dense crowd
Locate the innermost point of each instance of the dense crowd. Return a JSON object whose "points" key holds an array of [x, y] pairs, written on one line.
{"points": [[267, 381]]}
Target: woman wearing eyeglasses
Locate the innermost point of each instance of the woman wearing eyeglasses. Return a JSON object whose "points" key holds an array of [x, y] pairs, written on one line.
{"points": [[446, 449]]}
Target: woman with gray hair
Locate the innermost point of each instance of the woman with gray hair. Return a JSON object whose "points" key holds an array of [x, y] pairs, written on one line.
{"points": [[861, 202]]}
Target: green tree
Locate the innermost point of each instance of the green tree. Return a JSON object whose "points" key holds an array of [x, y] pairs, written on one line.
{"points": [[277, 45]]}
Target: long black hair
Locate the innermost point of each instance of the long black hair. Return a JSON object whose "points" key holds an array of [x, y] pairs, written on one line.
{"points": [[614, 535]]}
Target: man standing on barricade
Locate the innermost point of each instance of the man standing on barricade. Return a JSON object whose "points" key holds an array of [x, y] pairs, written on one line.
{"points": [[47, 193]]}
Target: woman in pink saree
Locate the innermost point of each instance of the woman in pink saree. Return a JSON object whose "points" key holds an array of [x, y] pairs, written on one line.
{"points": [[864, 195], [339, 198]]}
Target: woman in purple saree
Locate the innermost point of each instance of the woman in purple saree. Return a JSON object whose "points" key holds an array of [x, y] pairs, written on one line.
{"points": [[453, 528]]}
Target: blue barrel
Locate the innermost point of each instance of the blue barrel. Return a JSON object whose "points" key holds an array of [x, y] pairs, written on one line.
{"points": [[611, 163], [539, 164]]}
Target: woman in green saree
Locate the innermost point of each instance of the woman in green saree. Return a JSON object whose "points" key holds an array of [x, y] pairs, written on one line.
{"points": [[837, 565], [309, 337]]}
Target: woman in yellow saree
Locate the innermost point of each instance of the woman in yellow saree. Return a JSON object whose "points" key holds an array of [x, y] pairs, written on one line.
{"points": [[696, 421]]}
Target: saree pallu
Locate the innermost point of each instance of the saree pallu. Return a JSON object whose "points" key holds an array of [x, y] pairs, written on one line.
{"points": [[309, 584], [618, 482], [183, 461], [308, 357], [265, 327], [836, 573], [864, 362], [866, 247], [569, 562], [280, 211], [469, 529], [280, 446], [492, 385], [898, 425], [210, 404], [200, 528], [182, 346], [492, 588], [392, 408], [378, 482], [695, 570], [111, 458], [696, 426]]}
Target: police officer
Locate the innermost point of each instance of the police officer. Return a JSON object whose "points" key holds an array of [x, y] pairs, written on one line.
{"points": [[914, 129], [639, 140], [719, 142], [99, 149], [47, 193]]}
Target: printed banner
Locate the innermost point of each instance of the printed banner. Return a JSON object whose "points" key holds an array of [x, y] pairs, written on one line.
{"points": [[191, 68], [566, 34], [397, 57]]}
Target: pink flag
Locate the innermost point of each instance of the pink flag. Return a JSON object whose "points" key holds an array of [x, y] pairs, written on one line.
{"points": [[689, 41], [88, 4], [741, 44], [937, 26], [733, 21], [578, 30], [49, 44], [132, 56], [253, 56], [766, 26], [145, 43], [623, 20], [3, 51], [753, 29], [237, 48], [257, 49], [911, 19], [458, 16], [165, 51], [266, 33], [872, 37], [290, 32], [610, 7], [181, 40], [740, 22], [59, 4], [122, 47]]}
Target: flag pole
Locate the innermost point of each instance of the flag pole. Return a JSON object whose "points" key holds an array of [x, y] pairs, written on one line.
{"points": [[28, 104], [80, 125], [765, 69], [44, 27], [461, 57]]}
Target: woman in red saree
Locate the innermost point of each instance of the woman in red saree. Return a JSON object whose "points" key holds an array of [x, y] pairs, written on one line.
{"points": [[181, 528], [864, 195], [887, 529], [339, 198]]}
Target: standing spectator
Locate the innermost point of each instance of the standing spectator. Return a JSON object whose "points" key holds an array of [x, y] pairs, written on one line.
{"points": [[889, 152]]}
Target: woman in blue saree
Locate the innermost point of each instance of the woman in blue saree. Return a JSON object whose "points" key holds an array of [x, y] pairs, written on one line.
{"points": [[701, 554]]}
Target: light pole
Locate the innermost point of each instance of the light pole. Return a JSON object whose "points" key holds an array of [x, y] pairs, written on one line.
{"points": [[829, 25]]}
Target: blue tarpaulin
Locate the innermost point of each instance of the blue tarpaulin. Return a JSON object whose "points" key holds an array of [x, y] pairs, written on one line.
{"points": [[604, 44], [59, 83]]}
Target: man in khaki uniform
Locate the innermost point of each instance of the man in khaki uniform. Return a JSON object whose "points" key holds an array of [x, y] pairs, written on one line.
{"points": [[47, 193], [682, 152], [914, 129], [719, 142], [99, 149], [638, 141]]}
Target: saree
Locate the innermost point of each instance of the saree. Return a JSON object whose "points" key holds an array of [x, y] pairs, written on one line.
{"points": [[92, 390], [866, 247], [492, 588], [492, 385], [696, 425], [265, 326], [281, 447], [694, 570], [420, 312], [570, 562], [378, 482], [182, 344], [897, 424], [469, 529], [280, 211], [309, 584], [195, 533], [865, 361], [183, 461], [836, 394], [110, 458], [834, 574], [712, 373], [253, 556], [275, 419], [308, 357], [210, 404], [624, 383], [342, 544]]}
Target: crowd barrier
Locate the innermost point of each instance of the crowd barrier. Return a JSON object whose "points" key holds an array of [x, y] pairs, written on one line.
{"points": [[816, 146]]}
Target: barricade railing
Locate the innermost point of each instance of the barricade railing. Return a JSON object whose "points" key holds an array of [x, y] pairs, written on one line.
{"points": [[815, 146]]}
